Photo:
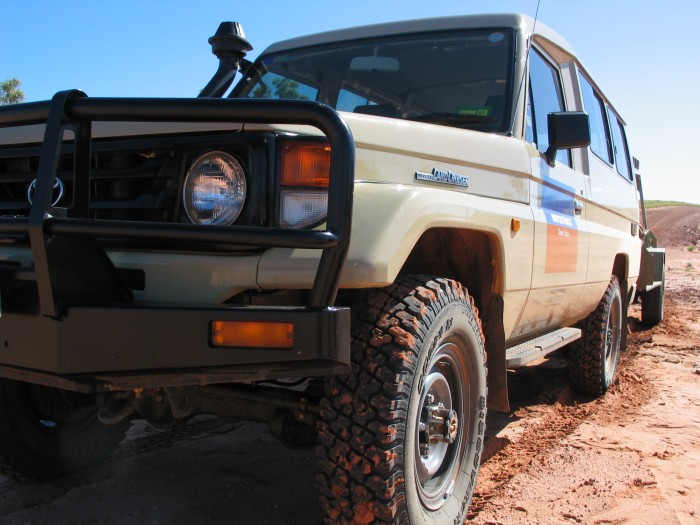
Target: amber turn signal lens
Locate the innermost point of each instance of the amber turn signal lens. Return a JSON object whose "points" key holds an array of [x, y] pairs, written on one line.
{"points": [[305, 164], [241, 334]]}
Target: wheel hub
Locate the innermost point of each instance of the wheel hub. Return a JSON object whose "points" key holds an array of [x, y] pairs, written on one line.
{"points": [[438, 425], [441, 424]]}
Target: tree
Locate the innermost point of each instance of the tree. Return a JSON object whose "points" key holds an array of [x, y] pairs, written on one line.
{"points": [[288, 89], [10, 93]]}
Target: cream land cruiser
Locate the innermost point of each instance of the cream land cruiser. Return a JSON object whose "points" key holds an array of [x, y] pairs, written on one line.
{"points": [[343, 240]]}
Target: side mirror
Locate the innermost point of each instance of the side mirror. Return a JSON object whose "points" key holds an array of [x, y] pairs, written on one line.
{"points": [[567, 129]]}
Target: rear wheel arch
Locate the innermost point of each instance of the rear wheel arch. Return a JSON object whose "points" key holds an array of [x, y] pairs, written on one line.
{"points": [[621, 267]]}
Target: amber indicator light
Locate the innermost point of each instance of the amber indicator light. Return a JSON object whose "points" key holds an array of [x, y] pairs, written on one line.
{"points": [[243, 334], [306, 164]]}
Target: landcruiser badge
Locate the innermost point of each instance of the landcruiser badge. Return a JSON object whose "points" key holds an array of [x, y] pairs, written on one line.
{"points": [[445, 177], [58, 190]]}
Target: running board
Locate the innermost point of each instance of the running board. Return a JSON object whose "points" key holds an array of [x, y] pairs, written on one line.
{"points": [[523, 353]]}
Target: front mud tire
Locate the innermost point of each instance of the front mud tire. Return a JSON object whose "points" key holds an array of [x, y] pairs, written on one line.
{"points": [[593, 358], [401, 437], [46, 433]]}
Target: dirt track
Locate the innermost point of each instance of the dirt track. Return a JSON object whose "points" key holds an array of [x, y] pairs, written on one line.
{"points": [[631, 457]]}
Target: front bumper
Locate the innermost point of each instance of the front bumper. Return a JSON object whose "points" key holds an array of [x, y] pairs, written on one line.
{"points": [[148, 346]]}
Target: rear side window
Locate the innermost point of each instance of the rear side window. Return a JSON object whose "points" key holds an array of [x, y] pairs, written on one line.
{"points": [[349, 101], [545, 97], [622, 158], [594, 106]]}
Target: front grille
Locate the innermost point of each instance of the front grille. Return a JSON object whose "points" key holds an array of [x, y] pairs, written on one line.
{"points": [[124, 185], [140, 179]]}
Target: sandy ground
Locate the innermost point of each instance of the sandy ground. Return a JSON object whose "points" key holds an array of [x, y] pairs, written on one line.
{"points": [[631, 457]]}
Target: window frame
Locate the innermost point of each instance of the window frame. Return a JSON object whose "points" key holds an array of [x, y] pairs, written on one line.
{"points": [[614, 119], [581, 75], [531, 103]]}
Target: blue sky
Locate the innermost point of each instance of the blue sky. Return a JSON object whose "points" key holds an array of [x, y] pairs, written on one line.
{"points": [[643, 54]]}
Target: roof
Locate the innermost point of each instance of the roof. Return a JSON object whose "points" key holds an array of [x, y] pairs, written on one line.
{"points": [[520, 22]]}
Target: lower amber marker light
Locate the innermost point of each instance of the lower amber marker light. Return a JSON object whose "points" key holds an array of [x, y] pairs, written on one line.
{"points": [[244, 334]]}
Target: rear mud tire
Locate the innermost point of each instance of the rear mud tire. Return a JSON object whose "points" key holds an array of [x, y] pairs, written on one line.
{"points": [[401, 437], [46, 433], [593, 358]]}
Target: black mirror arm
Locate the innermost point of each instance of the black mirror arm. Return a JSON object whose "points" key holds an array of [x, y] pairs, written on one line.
{"points": [[551, 155]]}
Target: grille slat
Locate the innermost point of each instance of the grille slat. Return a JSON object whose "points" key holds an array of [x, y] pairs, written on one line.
{"points": [[139, 179], [123, 185]]}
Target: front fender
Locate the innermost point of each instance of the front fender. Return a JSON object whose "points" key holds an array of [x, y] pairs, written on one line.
{"points": [[388, 221]]}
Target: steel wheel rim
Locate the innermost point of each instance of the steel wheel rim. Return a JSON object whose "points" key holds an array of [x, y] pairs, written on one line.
{"points": [[437, 465]]}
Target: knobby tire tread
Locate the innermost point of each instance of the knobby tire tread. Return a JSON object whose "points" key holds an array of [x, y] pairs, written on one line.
{"points": [[364, 413], [586, 358]]}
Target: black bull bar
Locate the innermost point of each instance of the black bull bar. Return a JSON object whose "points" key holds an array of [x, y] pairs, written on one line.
{"points": [[74, 111]]}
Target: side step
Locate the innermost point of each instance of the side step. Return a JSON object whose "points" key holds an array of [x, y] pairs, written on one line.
{"points": [[523, 353]]}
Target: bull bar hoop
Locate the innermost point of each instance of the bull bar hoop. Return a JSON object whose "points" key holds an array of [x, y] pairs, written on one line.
{"points": [[73, 110]]}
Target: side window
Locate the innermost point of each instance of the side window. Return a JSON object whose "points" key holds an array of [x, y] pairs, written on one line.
{"points": [[622, 158], [600, 135], [348, 101], [545, 97]]}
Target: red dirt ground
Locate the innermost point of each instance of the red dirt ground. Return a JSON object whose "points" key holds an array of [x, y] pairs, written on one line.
{"points": [[631, 457]]}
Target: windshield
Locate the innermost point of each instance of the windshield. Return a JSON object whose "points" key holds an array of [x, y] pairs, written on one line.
{"points": [[460, 79]]}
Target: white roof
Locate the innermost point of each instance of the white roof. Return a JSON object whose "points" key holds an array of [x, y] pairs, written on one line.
{"points": [[520, 22]]}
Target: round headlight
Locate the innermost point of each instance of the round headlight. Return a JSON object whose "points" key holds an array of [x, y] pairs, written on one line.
{"points": [[215, 189]]}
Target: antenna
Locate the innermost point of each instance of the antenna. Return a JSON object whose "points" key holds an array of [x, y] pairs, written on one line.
{"points": [[537, 12], [521, 85]]}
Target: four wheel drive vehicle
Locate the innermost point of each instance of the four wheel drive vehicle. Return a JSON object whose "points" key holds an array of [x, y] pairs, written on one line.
{"points": [[343, 241]]}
